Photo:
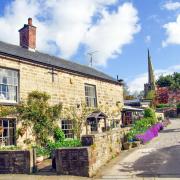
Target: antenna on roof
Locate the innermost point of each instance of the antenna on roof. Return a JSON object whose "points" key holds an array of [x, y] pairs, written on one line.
{"points": [[91, 56]]}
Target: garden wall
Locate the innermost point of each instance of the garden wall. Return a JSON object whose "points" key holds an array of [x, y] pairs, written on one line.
{"points": [[16, 162], [97, 150]]}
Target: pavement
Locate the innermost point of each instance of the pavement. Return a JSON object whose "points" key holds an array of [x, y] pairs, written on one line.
{"points": [[157, 160]]}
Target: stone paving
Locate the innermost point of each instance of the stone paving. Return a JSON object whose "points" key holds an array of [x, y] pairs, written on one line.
{"points": [[157, 160]]}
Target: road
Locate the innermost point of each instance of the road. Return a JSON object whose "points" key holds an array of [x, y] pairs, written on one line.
{"points": [[160, 158]]}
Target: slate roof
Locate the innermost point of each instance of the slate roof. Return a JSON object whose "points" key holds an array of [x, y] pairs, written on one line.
{"points": [[42, 58]]}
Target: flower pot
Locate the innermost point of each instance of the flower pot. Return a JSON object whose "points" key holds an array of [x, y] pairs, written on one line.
{"points": [[39, 159], [127, 145], [136, 144]]}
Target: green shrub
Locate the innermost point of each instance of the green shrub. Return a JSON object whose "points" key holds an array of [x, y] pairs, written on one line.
{"points": [[42, 151], [140, 127], [178, 105], [51, 146], [150, 113], [163, 105], [59, 134]]}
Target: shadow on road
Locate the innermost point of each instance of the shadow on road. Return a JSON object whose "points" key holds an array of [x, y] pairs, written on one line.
{"points": [[163, 162], [170, 130]]}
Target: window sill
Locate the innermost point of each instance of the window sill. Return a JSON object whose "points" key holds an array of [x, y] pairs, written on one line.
{"points": [[8, 103]]}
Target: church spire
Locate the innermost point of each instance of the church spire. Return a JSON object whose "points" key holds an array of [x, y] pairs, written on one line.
{"points": [[151, 79]]}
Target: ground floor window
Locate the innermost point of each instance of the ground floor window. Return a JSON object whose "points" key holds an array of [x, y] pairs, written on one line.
{"points": [[7, 132], [67, 127]]}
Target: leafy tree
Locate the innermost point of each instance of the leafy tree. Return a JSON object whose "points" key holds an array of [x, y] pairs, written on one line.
{"points": [[172, 81], [39, 116], [126, 93], [150, 113]]}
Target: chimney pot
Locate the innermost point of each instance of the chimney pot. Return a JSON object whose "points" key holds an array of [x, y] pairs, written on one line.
{"points": [[30, 21]]}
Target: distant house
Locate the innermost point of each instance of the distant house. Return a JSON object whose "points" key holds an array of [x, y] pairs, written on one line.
{"points": [[24, 69]]}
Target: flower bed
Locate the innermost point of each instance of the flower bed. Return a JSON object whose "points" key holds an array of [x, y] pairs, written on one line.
{"points": [[150, 133]]}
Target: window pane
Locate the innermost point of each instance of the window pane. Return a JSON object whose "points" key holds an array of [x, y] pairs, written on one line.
{"points": [[7, 135], [67, 127], [90, 95], [8, 85]]}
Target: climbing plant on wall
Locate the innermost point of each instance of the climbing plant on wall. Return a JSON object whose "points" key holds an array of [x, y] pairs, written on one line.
{"points": [[37, 114], [78, 115]]}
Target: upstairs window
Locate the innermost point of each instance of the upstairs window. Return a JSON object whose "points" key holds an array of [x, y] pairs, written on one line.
{"points": [[90, 95], [8, 85]]}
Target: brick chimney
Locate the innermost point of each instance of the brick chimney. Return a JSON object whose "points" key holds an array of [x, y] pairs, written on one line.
{"points": [[28, 36]]}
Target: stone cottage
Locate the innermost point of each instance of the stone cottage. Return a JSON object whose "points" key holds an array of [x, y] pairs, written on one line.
{"points": [[23, 69]]}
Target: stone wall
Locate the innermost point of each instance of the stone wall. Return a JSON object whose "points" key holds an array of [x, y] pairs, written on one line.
{"points": [[16, 162], [97, 150]]}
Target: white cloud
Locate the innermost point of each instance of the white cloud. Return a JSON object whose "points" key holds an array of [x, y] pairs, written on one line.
{"points": [[112, 32], [64, 25], [173, 32], [171, 5], [137, 84]]}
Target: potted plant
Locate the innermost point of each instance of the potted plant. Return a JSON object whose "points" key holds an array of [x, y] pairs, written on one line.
{"points": [[127, 145], [136, 144]]}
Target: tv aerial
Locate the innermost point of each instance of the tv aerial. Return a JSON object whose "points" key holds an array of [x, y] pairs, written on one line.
{"points": [[91, 57]]}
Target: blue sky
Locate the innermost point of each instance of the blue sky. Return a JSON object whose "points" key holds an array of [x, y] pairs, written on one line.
{"points": [[119, 30]]}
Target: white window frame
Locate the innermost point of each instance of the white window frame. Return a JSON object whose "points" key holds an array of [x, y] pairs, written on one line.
{"points": [[90, 95], [9, 85]]}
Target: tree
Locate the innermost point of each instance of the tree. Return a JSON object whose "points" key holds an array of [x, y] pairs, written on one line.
{"points": [[171, 81], [126, 93], [39, 116]]}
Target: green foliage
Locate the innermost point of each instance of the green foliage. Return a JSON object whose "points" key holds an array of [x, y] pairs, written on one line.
{"points": [[143, 124], [37, 114], [150, 95], [163, 105], [59, 135], [178, 105], [2, 148], [51, 146], [6, 110], [172, 81], [41, 151], [78, 116], [59, 142], [150, 113]]}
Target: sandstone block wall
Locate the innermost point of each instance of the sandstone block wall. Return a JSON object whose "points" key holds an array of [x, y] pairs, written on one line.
{"points": [[67, 88], [86, 161]]}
